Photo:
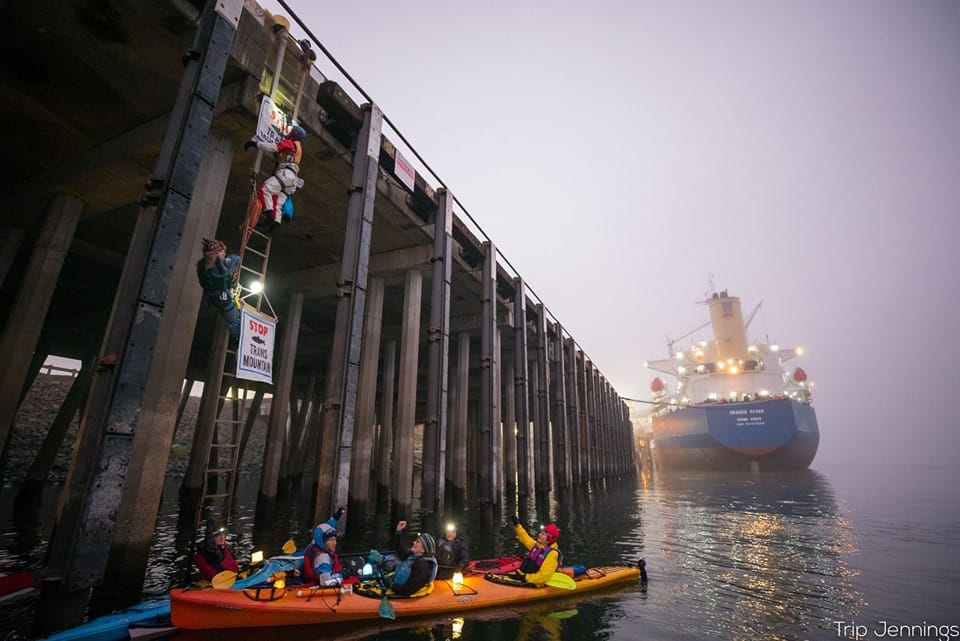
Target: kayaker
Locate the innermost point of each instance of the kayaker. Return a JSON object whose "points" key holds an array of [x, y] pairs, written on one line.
{"points": [[214, 556], [544, 557], [417, 567], [453, 555], [321, 565]]}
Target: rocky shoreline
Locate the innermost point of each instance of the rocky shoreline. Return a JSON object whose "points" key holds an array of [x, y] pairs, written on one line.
{"points": [[39, 409]]}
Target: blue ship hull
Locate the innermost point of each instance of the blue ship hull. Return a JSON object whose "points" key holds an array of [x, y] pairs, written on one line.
{"points": [[777, 434]]}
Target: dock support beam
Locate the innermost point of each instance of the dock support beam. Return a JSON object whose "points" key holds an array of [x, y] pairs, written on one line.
{"points": [[489, 406], [337, 420], [521, 390], [367, 396], [407, 393], [387, 405], [438, 337], [280, 406], [542, 427], [561, 449], [457, 447], [22, 331]]}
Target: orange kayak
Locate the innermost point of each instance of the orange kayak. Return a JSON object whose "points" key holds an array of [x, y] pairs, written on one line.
{"points": [[208, 608]]}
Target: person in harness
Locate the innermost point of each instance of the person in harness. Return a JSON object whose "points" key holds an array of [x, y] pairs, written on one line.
{"points": [[544, 555], [216, 272], [321, 565], [276, 192], [213, 555], [417, 567]]}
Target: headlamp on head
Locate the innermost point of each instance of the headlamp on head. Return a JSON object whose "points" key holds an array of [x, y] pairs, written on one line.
{"points": [[451, 527]]}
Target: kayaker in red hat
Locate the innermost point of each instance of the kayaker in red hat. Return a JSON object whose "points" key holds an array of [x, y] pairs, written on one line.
{"points": [[544, 557]]}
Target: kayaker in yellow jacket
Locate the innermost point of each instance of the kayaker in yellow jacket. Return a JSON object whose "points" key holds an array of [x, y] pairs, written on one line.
{"points": [[544, 557]]}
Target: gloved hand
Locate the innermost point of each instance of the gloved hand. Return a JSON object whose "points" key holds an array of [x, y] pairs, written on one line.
{"points": [[375, 557], [250, 144], [515, 519], [338, 513]]}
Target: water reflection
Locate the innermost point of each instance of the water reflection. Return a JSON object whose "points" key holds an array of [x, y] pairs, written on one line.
{"points": [[753, 556]]}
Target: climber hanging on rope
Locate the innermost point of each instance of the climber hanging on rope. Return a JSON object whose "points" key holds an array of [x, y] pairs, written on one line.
{"points": [[217, 273], [276, 192]]}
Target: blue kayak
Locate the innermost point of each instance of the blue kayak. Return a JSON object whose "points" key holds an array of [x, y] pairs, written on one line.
{"points": [[115, 627]]}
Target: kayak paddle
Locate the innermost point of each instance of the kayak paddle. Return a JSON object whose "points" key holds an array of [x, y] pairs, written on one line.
{"points": [[223, 580]]}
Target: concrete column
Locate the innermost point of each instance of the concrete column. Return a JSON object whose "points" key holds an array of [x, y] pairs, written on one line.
{"points": [[387, 403], [584, 420], [279, 406], [489, 410], [367, 395], [542, 426], [509, 425], [532, 452], [47, 455], [521, 390], [10, 240], [591, 387], [573, 410], [407, 392], [561, 446], [22, 331], [156, 423], [438, 337], [457, 448], [336, 447]]}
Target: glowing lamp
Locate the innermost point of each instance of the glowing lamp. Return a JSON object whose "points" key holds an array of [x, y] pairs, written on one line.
{"points": [[457, 579], [367, 570], [256, 557], [256, 287]]}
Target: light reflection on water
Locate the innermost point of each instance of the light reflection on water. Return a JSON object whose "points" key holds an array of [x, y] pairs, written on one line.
{"points": [[729, 556]]}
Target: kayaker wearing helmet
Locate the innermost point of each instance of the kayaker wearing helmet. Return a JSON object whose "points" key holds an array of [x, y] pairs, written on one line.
{"points": [[213, 555], [279, 187], [544, 557], [321, 565], [417, 568], [453, 555]]}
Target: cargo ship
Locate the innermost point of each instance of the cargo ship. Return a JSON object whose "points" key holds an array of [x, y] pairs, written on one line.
{"points": [[730, 403]]}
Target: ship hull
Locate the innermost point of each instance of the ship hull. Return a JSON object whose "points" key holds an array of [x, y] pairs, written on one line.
{"points": [[775, 434]]}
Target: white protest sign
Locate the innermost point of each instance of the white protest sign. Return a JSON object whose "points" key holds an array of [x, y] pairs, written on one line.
{"points": [[273, 124], [255, 351]]}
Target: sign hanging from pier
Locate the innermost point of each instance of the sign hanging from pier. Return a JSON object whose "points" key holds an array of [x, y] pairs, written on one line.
{"points": [[255, 351]]}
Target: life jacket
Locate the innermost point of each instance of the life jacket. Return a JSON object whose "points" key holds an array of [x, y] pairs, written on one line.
{"points": [[402, 573], [531, 564], [310, 556]]}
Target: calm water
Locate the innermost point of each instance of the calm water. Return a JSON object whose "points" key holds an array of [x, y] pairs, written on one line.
{"points": [[729, 557]]}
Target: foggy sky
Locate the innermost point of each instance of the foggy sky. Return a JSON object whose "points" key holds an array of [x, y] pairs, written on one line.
{"points": [[620, 153]]}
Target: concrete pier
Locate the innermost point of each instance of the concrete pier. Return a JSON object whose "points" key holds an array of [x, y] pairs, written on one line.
{"points": [[413, 365]]}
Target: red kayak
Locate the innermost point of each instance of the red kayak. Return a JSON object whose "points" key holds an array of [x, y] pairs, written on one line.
{"points": [[13, 585], [497, 566]]}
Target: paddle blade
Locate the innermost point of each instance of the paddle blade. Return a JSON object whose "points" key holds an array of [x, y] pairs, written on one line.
{"points": [[223, 580], [386, 609], [289, 547], [562, 581]]}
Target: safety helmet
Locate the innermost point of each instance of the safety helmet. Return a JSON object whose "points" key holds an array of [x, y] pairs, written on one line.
{"points": [[552, 532], [297, 132], [323, 533], [429, 545]]}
